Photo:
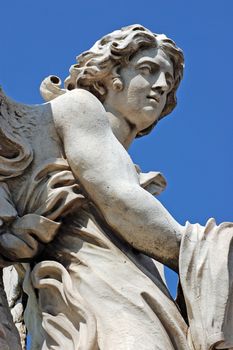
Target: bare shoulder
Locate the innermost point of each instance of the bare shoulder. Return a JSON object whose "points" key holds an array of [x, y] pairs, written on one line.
{"points": [[77, 108]]}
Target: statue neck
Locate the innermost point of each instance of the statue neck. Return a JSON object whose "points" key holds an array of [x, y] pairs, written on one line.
{"points": [[121, 128]]}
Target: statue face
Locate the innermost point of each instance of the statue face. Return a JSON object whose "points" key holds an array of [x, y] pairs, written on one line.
{"points": [[147, 80]]}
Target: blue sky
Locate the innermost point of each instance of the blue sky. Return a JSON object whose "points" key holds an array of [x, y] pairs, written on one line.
{"points": [[192, 146]]}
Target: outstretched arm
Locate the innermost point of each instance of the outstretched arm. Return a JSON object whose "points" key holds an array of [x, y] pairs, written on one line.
{"points": [[108, 175]]}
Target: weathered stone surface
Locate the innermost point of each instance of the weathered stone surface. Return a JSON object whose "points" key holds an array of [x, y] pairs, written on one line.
{"points": [[81, 218]]}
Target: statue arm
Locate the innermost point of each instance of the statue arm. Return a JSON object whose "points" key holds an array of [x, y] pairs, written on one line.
{"points": [[106, 172]]}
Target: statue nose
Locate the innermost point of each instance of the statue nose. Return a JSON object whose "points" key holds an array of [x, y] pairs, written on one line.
{"points": [[160, 84]]}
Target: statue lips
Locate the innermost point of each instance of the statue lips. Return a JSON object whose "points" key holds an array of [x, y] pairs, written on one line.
{"points": [[154, 98]]}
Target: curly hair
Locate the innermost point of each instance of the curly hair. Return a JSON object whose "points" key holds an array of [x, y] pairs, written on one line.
{"points": [[106, 58], [114, 51]]}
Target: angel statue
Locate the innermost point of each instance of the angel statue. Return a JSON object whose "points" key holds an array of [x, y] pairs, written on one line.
{"points": [[80, 223]]}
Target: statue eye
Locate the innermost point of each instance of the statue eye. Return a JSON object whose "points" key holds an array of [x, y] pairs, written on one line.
{"points": [[145, 69]]}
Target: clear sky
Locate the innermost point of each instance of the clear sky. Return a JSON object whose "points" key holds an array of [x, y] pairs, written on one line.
{"points": [[192, 146]]}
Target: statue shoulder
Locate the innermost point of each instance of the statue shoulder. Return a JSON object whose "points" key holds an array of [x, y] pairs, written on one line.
{"points": [[77, 98], [78, 108]]}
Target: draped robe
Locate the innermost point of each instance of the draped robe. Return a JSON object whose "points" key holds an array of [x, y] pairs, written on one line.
{"points": [[91, 290]]}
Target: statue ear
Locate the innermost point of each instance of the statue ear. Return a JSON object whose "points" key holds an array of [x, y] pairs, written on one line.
{"points": [[100, 88], [117, 84]]}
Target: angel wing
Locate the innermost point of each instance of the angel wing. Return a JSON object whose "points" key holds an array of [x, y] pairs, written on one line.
{"points": [[15, 156], [22, 235], [15, 152]]}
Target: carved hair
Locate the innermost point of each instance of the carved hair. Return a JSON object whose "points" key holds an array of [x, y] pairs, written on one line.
{"points": [[114, 51], [106, 58]]}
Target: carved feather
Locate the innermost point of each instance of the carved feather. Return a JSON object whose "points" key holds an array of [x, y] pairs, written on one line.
{"points": [[15, 152]]}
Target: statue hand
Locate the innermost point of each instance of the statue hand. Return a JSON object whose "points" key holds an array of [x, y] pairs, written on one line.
{"points": [[26, 236], [21, 238]]}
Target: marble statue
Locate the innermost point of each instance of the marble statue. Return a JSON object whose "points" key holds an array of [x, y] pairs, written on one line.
{"points": [[79, 221]]}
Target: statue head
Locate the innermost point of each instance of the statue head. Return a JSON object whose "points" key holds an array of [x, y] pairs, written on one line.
{"points": [[105, 60], [114, 51]]}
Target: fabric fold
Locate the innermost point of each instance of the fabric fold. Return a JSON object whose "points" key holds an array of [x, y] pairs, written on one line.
{"points": [[206, 274], [52, 193]]}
